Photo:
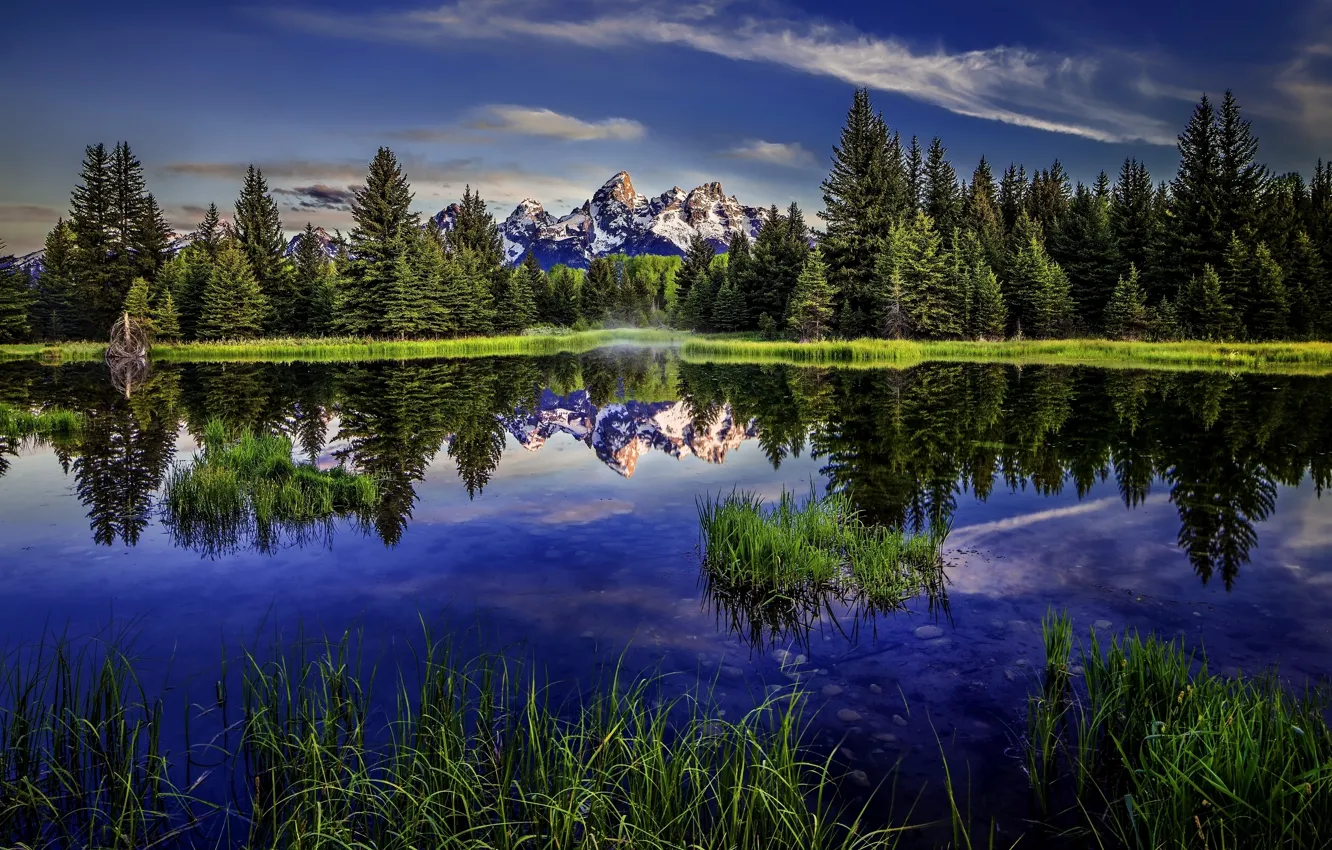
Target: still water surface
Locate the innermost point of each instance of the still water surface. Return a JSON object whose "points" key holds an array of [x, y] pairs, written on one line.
{"points": [[551, 501]]}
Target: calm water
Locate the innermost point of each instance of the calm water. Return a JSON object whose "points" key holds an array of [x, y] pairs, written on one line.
{"points": [[552, 501]]}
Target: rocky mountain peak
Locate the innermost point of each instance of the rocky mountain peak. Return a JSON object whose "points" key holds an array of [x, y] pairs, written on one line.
{"points": [[620, 187]]}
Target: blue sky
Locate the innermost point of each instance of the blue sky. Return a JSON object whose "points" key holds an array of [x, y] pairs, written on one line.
{"points": [[529, 98]]}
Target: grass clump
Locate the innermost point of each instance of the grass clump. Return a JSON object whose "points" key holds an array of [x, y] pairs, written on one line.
{"points": [[793, 549], [52, 423], [248, 486], [1160, 753]]}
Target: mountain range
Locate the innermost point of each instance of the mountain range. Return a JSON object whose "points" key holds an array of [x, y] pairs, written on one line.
{"points": [[622, 432], [615, 220], [619, 220]]}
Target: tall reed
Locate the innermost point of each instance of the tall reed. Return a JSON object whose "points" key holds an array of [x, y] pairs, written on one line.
{"points": [[1162, 754], [18, 423]]}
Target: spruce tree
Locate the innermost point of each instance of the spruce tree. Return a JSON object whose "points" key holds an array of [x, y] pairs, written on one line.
{"points": [[15, 299], [538, 283], [1306, 275], [208, 236], [1084, 245], [594, 297], [521, 301], [988, 315], [233, 306], [1012, 196], [474, 230], [942, 200], [259, 235], [136, 300], [128, 201], [384, 226], [889, 317], [90, 218], [696, 311], [1204, 312], [741, 274], [1237, 283], [1194, 233], [856, 206], [933, 308], [982, 215], [696, 270], [311, 280], [1240, 180], [811, 306], [54, 314], [728, 308], [1048, 198], [1038, 297], [1270, 316], [185, 277], [1126, 312], [1133, 216], [563, 296], [151, 239], [915, 175], [166, 319]]}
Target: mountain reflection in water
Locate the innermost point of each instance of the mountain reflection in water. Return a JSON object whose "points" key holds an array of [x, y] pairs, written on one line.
{"points": [[905, 444]]}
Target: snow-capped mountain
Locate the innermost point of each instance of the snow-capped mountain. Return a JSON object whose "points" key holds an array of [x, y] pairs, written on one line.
{"points": [[325, 241], [617, 219], [622, 432]]}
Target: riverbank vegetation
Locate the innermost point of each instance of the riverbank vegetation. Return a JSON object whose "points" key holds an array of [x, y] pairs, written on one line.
{"points": [[1148, 748], [1224, 251], [246, 486], [17, 423]]}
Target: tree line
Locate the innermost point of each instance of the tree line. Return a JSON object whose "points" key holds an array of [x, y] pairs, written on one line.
{"points": [[1225, 250]]}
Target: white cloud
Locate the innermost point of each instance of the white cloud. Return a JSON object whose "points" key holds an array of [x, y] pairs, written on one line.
{"points": [[1012, 85], [530, 121], [789, 154]]}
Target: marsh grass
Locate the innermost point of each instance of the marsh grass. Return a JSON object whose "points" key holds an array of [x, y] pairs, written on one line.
{"points": [[1313, 358], [791, 549], [457, 751], [248, 486], [49, 424], [1159, 753]]}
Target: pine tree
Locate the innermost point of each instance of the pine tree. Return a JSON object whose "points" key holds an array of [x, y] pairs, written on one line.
{"points": [[311, 280], [982, 215], [1241, 181], [166, 319], [697, 269], [233, 304], [1038, 296], [1194, 234], [1126, 312], [54, 315], [185, 277], [988, 315], [1012, 196], [594, 297], [740, 274], [1133, 216], [1270, 315], [1308, 285], [1048, 199], [915, 174], [811, 307], [136, 300], [538, 283], [15, 298], [128, 202], [942, 200], [259, 236], [857, 206], [474, 230], [90, 214], [889, 317], [728, 308], [384, 228], [1237, 283], [1204, 312], [563, 296], [696, 311], [208, 236], [933, 309], [1084, 246], [521, 302], [151, 239]]}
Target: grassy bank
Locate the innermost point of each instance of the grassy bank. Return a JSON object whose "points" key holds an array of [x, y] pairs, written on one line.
{"points": [[351, 349], [54, 423], [1313, 358]]}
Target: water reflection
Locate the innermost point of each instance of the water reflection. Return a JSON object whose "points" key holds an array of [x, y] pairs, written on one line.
{"points": [[906, 445]]}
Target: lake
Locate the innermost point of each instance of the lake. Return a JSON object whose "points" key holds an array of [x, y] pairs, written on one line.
{"points": [[552, 502]]}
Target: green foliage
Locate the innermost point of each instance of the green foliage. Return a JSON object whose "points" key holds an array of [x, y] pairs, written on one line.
{"points": [[385, 226], [165, 318], [54, 313], [313, 282], [233, 305], [1126, 314], [728, 308], [51, 423], [933, 299], [15, 300], [1271, 308], [1038, 296], [597, 294], [811, 308], [564, 286], [258, 233], [1204, 310], [1086, 249], [136, 301]]}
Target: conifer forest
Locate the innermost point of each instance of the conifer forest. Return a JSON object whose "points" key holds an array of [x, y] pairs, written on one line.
{"points": [[907, 247]]}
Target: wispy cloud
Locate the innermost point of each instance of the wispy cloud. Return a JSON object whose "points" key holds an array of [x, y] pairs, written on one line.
{"points": [[789, 154], [27, 214], [530, 121], [320, 196], [1305, 81], [1013, 85]]}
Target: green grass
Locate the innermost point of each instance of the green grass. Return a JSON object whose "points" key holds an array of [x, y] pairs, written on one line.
{"points": [[1313, 358], [52, 423], [248, 486], [1159, 753], [474, 752], [790, 549]]}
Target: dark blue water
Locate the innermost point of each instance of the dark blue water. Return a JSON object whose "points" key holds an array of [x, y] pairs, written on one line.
{"points": [[551, 501]]}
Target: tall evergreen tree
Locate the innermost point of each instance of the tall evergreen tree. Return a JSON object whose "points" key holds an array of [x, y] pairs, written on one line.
{"points": [[1133, 215], [136, 300], [1270, 316], [259, 236], [54, 311], [1204, 312], [152, 239], [1194, 231], [165, 319], [741, 274], [810, 311], [728, 308], [312, 278], [563, 296], [982, 214], [915, 176], [1012, 196], [210, 232], [933, 308], [1048, 198], [1039, 301], [1311, 311], [596, 294], [234, 306], [988, 315], [1240, 179], [15, 299], [695, 271], [517, 311], [384, 226], [475, 230], [1126, 312], [538, 283], [128, 202], [1238, 286], [943, 198], [857, 207], [91, 211], [1085, 248]]}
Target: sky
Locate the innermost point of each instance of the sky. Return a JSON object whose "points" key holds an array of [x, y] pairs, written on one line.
{"points": [[531, 98]]}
